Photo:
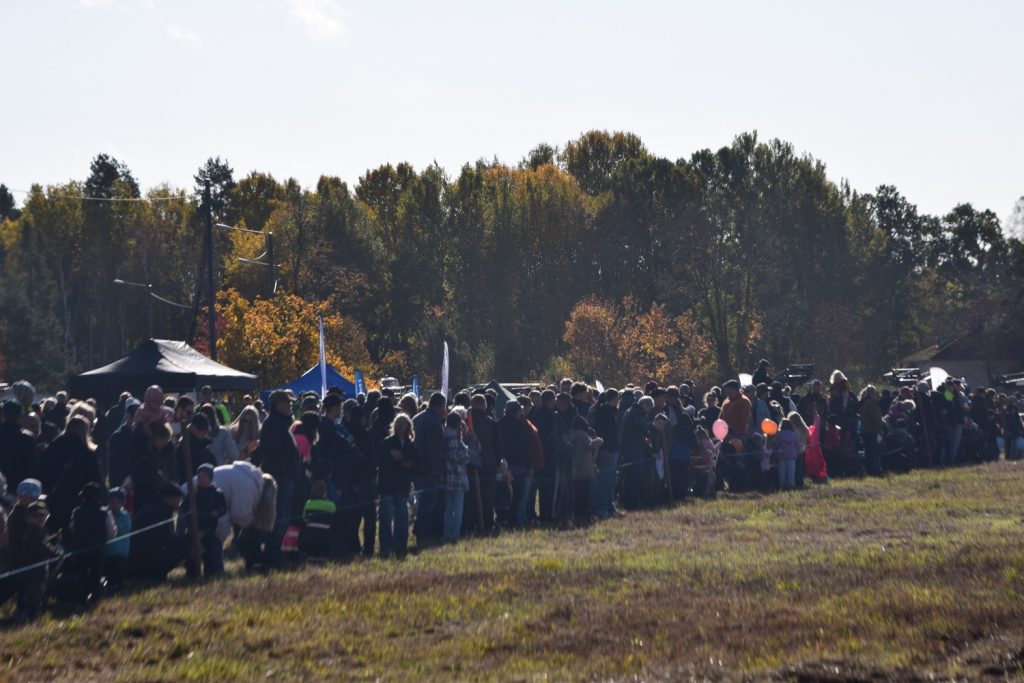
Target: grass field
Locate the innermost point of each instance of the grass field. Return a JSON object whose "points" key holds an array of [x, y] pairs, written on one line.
{"points": [[904, 577]]}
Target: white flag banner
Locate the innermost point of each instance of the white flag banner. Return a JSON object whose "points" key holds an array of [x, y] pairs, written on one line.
{"points": [[937, 377], [444, 371], [323, 363]]}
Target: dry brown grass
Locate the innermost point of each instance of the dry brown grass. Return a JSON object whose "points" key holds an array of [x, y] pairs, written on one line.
{"points": [[906, 577]]}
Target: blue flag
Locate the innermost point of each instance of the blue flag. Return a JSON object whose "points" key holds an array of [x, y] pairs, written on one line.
{"points": [[416, 385], [360, 383]]}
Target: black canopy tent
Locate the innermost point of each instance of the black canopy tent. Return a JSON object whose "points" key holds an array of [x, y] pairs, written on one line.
{"points": [[173, 365]]}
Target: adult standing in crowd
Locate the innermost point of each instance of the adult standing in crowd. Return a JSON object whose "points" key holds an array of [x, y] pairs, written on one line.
{"points": [[278, 456], [429, 428]]}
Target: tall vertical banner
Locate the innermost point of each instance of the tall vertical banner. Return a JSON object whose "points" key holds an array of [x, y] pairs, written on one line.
{"points": [[444, 372], [360, 382], [416, 385], [323, 362]]}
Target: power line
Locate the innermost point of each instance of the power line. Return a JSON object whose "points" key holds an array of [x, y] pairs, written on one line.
{"points": [[107, 199]]}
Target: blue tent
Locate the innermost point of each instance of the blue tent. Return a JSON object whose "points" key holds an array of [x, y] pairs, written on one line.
{"points": [[310, 381]]}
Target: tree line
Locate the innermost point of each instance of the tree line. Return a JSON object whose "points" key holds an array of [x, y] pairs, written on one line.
{"points": [[598, 259]]}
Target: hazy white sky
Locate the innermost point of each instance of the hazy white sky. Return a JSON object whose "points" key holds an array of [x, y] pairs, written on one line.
{"points": [[925, 95]]}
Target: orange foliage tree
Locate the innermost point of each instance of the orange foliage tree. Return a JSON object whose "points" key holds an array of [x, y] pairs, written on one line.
{"points": [[278, 339], [619, 343]]}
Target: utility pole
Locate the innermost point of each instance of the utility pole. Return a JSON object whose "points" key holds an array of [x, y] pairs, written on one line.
{"points": [[211, 302], [149, 308], [271, 274]]}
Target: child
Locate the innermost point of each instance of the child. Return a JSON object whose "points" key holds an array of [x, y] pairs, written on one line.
{"points": [[814, 459], [30, 548], [456, 480], [315, 537], [787, 448], [116, 561], [210, 507], [91, 527], [152, 411], [758, 444]]}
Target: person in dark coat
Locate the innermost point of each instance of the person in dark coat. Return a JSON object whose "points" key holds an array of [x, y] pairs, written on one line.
{"points": [[761, 375], [429, 428], [119, 447], [361, 504], [381, 418], [199, 442], [17, 449], [515, 449], [710, 412], [397, 458], [814, 404], [70, 468], [156, 550], [607, 429], [543, 418], [90, 528], [211, 506], [279, 457], [636, 449], [151, 455], [489, 437]]}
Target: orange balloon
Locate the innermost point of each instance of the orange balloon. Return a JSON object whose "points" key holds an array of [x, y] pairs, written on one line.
{"points": [[769, 427], [737, 445]]}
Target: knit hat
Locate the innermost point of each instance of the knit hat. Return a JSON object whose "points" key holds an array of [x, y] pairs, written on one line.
{"points": [[31, 488]]}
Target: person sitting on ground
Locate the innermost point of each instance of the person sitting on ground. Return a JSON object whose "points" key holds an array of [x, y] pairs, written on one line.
{"points": [[115, 563], [318, 515]]}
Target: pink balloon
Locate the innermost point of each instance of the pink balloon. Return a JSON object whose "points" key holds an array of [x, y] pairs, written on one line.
{"points": [[720, 429]]}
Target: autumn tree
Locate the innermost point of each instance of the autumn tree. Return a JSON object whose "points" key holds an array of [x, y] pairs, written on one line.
{"points": [[278, 338]]}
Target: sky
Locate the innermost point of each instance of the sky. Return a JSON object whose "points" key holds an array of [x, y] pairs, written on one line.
{"points": [[924, 95]]}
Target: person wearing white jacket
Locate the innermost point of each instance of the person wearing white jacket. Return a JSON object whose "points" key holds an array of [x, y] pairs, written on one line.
{"points": [[242, 483]]}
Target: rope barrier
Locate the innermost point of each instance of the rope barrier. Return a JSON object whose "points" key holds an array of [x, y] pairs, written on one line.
{"points": [[298, 517]]}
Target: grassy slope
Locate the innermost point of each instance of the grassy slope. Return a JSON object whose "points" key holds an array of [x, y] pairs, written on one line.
{"points": [[904, 576]]}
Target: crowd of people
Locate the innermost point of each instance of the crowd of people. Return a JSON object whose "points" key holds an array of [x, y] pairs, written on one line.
{"points": [[158, 482]]}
